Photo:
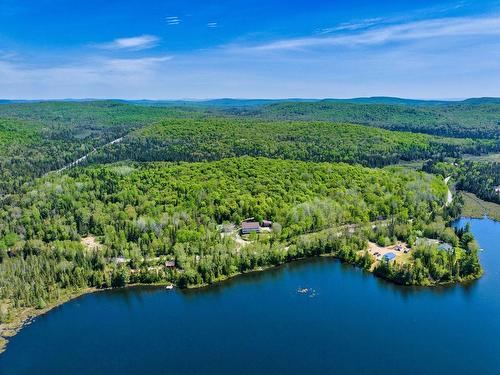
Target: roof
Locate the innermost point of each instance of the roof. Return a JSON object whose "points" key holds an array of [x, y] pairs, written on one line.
{"points": [[389, 256], [250, 225], [445, 246], [170, 263]]}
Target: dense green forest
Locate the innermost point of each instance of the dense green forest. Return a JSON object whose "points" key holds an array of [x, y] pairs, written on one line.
{"points": [[39, 137], [479, 178], [153, 212], [463, 120], [215, 138], [183, 178]]}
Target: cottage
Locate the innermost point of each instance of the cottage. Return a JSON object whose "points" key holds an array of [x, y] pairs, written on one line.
{"points": [[445, 247], [389, 256], [249, 227], [170, 264]]}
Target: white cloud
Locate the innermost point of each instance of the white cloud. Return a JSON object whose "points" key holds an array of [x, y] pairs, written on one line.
{"points": [[416, 30], [173, 20], [351, 26], [440, 57], [212, 25], [89, 77], [135, 43], [134, 65]]}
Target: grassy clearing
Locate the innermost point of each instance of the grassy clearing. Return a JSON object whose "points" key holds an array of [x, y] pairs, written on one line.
{"points": [[477, 208], [494, 158]]}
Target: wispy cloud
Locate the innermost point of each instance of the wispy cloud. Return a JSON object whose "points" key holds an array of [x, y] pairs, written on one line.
{"points": [[135, 43], [212, 25], [415, 30], [410, 56], [134, 65], [88, 77], [173, 20], [351, 26]]}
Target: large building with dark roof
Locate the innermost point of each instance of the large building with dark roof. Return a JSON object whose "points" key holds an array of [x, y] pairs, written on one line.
{"points": [[249, 227]]}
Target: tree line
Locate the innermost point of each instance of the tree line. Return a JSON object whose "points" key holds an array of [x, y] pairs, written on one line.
{"points": [[213, 138]]}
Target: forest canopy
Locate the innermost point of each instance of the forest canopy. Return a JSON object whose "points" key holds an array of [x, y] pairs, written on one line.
{"points": [[216, 138]]}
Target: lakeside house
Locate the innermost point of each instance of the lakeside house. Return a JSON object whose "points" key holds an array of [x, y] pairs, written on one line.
{"points": [[389, 256], [248, 227]]}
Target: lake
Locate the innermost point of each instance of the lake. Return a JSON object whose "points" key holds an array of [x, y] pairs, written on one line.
{"points": [[350, 323]]}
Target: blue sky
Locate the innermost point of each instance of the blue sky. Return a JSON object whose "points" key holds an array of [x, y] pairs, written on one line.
{"points": [[248, 49]]}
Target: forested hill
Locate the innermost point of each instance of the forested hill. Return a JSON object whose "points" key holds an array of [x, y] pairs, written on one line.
{"points": [[108, 225], [39, 137], [216, 138], [479, 118]]}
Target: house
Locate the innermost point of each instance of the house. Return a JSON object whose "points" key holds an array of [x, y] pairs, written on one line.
{"points": [[422, 241], [267, 223], [170, 264], [445, 247], [121, 259], [249, 227], [389, 256]]}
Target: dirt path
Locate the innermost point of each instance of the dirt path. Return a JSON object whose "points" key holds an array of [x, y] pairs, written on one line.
{"points": [[84, 157], [449, 197]]}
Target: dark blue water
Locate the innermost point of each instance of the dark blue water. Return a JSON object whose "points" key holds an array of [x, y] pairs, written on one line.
{"points": [[353, 323]]}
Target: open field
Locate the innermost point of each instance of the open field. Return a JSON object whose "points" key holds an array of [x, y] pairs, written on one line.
{"points": [[494, 158], [477, 208]]}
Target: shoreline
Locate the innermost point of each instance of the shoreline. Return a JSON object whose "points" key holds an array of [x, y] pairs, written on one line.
{"points": [[28, 315]]}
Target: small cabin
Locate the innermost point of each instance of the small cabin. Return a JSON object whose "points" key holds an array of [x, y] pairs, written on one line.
{"points": [[248, 227], [170, 264]]}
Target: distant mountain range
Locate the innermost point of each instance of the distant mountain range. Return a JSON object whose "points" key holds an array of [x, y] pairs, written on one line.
{"points": [[229, 102]]}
